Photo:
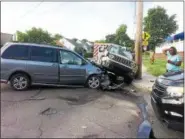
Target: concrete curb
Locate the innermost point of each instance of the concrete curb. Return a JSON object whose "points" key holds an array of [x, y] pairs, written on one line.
{"points": [[143, 87]]}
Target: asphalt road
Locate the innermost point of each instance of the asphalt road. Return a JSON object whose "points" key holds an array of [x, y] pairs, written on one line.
{"points": [[45, 112]]}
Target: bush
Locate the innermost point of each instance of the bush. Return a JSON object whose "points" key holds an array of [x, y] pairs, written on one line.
{"points": [[88, 55]]}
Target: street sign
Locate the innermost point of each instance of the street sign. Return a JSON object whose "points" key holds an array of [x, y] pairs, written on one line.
{"points": [[145, 36], [145, 43]]}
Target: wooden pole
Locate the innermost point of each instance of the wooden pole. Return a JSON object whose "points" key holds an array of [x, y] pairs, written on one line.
{"points": [[138, 41]]}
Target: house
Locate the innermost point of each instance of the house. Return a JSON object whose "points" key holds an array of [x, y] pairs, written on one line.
{"points": [[5, 37], [176, 41], [88, 46], [74, 44]]}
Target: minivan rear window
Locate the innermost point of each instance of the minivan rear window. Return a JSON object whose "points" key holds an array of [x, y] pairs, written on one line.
{"points": [[20, 52], [43, 54]]}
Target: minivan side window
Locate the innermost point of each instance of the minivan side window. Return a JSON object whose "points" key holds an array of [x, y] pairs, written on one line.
{"points": [[70, 58], [43, 54], [19, 52]]}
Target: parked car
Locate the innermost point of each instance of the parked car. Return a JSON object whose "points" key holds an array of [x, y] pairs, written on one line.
{"points": [[118, 60], [26, 64], [167, 99]]}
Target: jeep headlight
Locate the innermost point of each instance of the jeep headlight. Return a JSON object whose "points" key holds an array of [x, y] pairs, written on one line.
{"points": [[175, 91]]}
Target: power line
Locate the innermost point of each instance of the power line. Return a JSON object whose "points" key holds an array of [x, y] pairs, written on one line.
{"points": [[29, 11], [52, 9]]}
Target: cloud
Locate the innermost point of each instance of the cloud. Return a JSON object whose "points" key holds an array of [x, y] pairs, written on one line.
{"points": [[90, 20]]}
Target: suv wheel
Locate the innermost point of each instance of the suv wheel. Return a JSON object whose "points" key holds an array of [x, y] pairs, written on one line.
{"points": [[93, 82], [20, 82], [128, 79]]}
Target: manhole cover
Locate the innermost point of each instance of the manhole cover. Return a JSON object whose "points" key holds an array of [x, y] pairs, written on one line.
{"points": [[49, 111]]}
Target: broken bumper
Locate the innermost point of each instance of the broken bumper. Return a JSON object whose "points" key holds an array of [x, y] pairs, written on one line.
{"points": [[118, 68]]}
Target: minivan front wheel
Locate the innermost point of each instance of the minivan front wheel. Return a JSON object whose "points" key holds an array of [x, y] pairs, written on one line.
{"points": [[93, 82], [19, 82]]}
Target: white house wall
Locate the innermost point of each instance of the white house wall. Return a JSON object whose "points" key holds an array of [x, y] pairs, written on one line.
{"points": [[178, 45], [67, 44]]}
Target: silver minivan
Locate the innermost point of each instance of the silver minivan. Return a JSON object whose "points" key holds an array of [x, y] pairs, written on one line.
{"points": [[26, 64]]}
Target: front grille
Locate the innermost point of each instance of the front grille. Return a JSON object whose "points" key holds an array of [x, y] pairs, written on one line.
{"points": [[159, 89], [122, 60]]}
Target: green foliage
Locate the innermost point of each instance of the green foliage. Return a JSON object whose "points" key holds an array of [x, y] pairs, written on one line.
{"points": [[120, 37], [37, 35], [110, 38], [88, 55], [159, 66], [156, 69], [100, 41], [159, 25], [147, 53], [57, 37]]}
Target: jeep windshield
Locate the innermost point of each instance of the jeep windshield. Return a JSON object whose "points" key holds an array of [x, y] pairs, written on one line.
{"points": [[120, 50]]}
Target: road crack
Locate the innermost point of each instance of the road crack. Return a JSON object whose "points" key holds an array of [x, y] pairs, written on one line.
{"points": [[31, 98], [40, 130], [48, 111], [107, 128]]}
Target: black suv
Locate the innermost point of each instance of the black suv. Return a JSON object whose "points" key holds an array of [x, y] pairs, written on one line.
{"points": [[119, 61], [167, 99]]}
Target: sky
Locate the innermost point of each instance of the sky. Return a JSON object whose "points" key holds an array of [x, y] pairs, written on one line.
{"points": [[89, 20]]}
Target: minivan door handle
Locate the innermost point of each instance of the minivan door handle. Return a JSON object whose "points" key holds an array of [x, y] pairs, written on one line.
{"points": [[64, 66]]}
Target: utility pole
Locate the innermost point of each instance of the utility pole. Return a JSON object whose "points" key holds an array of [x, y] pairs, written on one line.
{"points": [[138, 41]]}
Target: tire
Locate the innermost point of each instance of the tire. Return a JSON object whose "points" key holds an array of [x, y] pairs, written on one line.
{"points": [[20, 82], [128, 79], [94, 82]]}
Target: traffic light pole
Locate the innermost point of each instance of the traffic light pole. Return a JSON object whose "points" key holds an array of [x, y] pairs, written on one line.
{"points": [[138, 41]]}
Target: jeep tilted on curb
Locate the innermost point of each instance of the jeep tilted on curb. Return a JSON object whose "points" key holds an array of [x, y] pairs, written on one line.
{"points": [[116, 59]]}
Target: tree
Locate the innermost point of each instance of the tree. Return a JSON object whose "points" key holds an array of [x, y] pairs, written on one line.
{"points": [[37, 35], [84, 40], [120, 37], [57, 36], [100, 41], [110, 38], [159, 25]]}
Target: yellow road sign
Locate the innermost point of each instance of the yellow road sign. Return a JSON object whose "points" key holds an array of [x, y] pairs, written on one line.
{"points": [[145, 36], [145, 43]]}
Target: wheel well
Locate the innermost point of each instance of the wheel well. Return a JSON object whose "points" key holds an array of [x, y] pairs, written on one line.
{"points": [[90, 76], [19, 72]]}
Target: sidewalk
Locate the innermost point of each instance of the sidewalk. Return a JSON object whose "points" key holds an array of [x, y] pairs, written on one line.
{"points": [[146, 82]]}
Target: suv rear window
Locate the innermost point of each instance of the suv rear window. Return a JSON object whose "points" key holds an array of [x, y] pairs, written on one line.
{"points": [[43, 54], [20, 52]]}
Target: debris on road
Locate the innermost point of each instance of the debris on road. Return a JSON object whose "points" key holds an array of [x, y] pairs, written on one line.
{"points": [[49, 111]]}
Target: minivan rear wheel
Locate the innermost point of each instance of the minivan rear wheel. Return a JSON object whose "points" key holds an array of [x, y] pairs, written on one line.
{"points": [[93, 82], [20, 82]]}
